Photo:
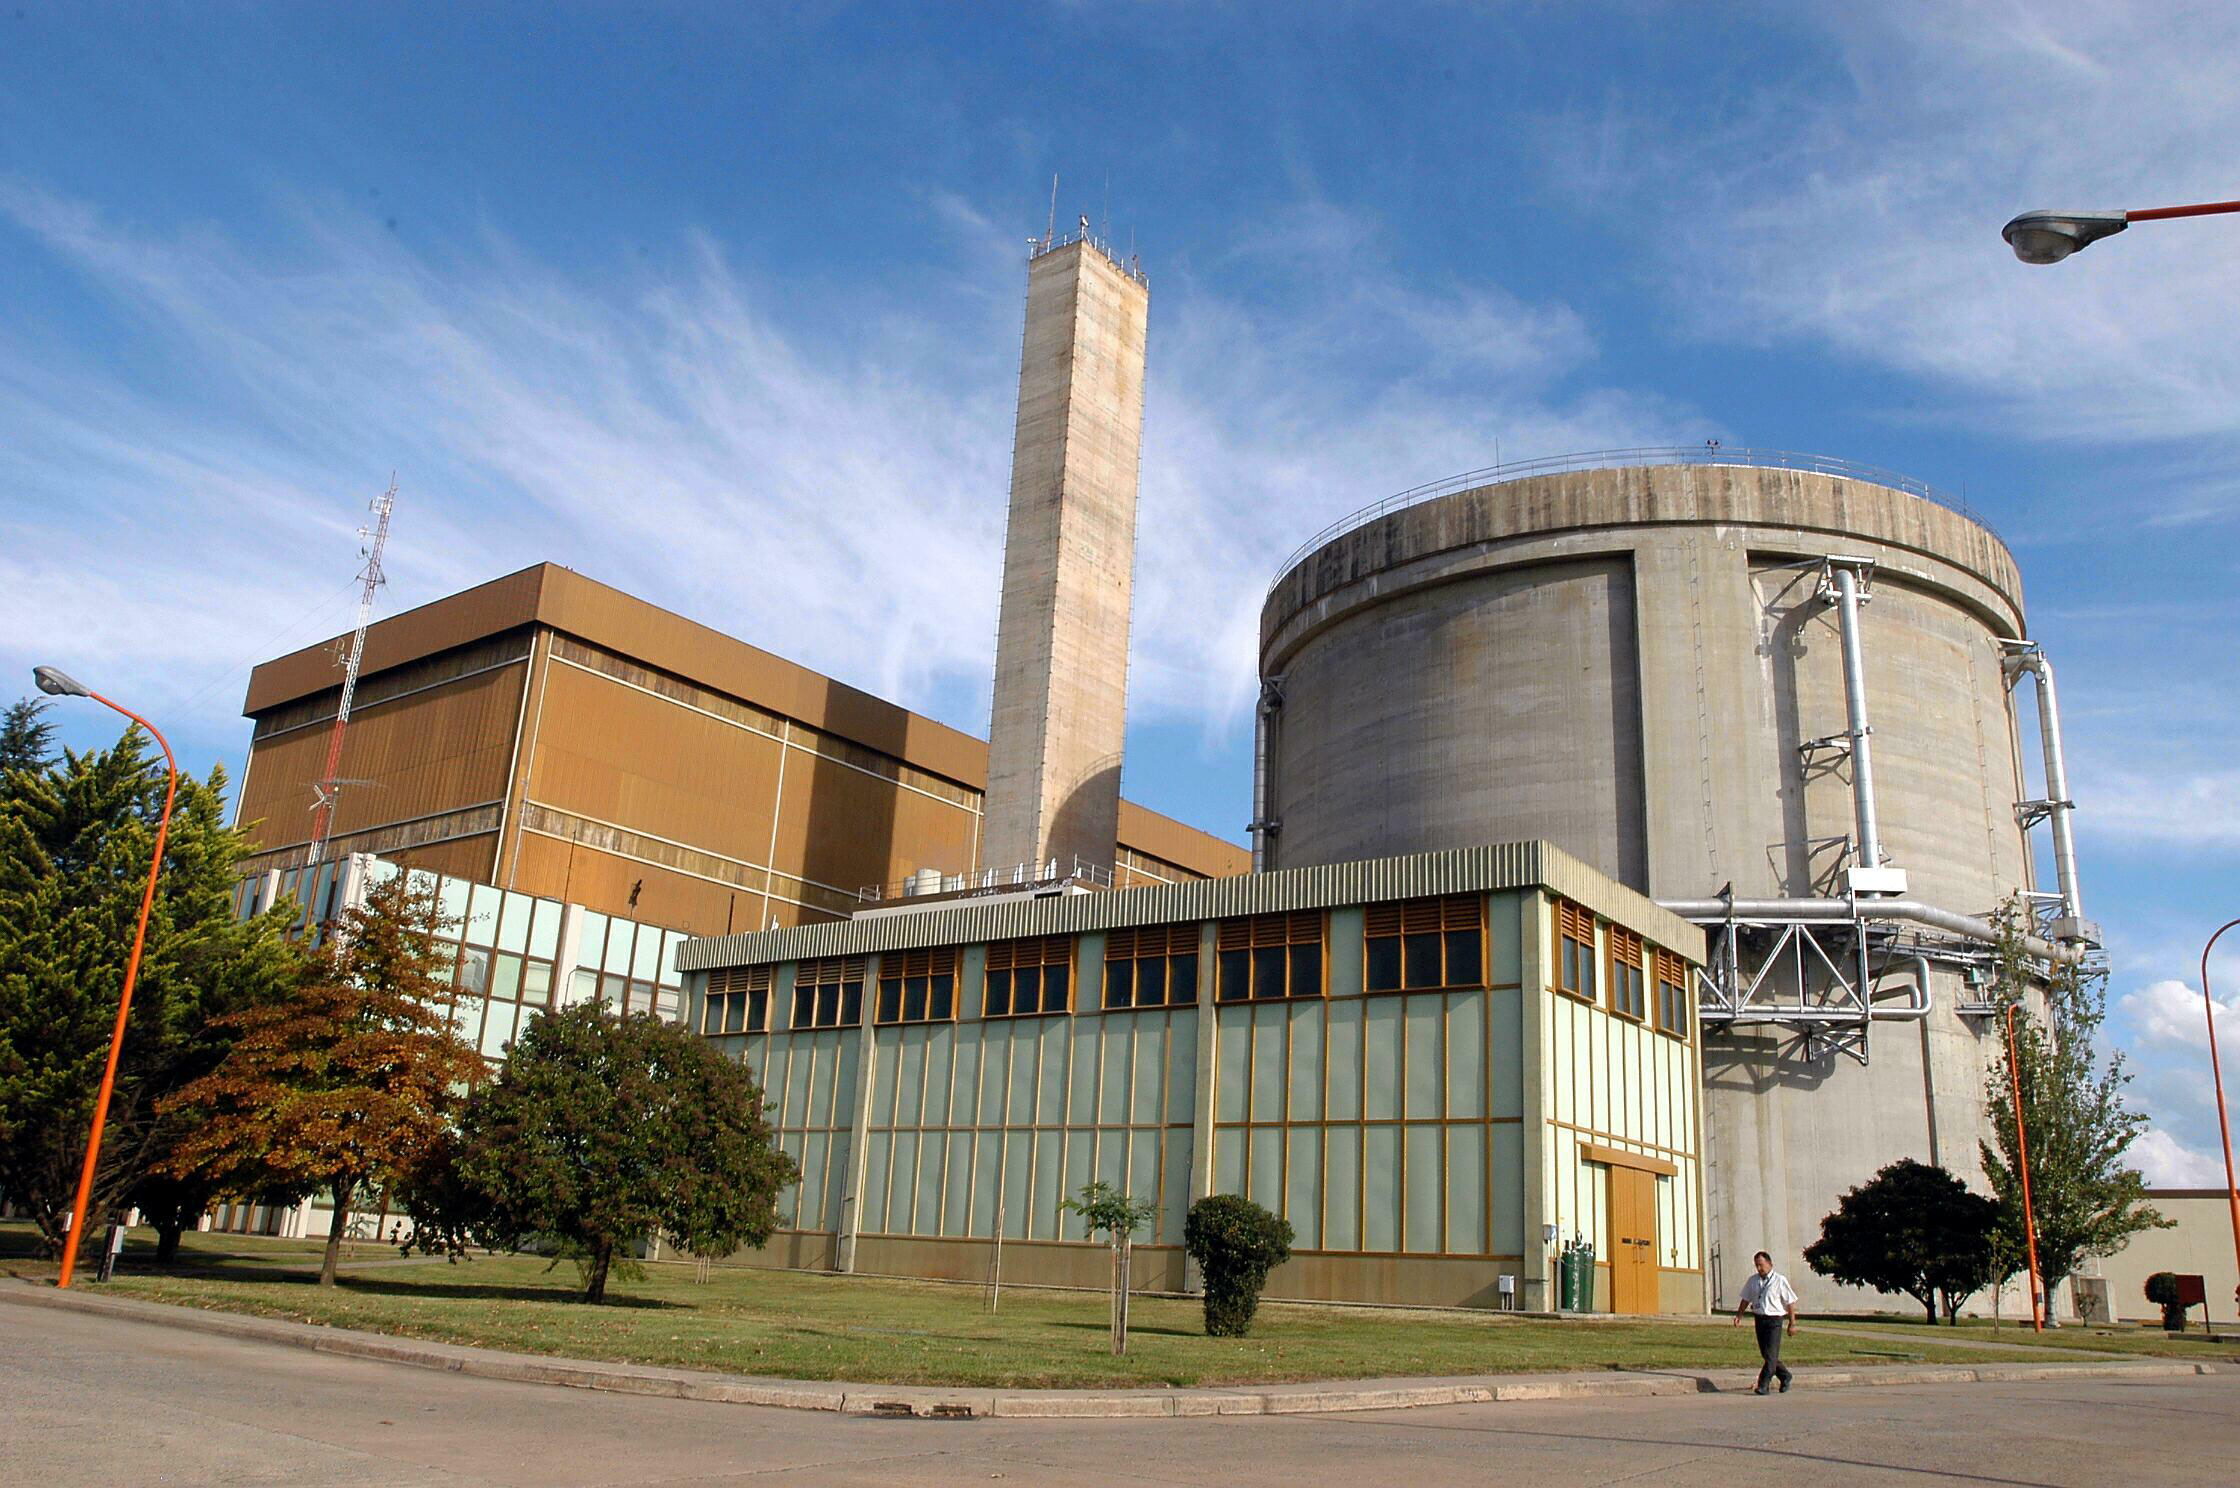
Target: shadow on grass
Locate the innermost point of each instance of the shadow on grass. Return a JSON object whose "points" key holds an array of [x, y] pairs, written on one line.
{"points": [[1135, 1330]]}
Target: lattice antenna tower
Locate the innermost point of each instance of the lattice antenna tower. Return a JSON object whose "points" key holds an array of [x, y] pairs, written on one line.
{"points": [[370, 579]]}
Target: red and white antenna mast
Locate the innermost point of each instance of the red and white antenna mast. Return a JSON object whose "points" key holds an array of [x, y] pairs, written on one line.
{"points": [[371, 579]]}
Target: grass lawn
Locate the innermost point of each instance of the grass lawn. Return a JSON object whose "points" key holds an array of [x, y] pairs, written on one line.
{"points": [[802, 1326], [2107, 1338]]}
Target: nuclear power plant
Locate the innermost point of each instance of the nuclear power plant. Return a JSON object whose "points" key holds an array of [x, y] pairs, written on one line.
{"points": [[1775, 694], [1627, 836]]}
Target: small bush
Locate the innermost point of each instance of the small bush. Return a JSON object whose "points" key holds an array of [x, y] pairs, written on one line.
{"points": [[2162, 1289], [1236, 1243]]}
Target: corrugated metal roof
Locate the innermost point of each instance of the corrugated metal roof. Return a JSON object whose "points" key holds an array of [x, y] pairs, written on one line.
{"points": [[1514, 865]]}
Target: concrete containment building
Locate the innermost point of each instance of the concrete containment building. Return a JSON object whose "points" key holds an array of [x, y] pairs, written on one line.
{"points": [[1774, 695]]}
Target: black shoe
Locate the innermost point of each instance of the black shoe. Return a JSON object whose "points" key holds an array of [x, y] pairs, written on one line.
{"points": [[1784, 1384], [1759, 1391]]}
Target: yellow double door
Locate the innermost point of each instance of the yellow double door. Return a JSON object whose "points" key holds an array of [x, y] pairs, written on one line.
{"points": [[1633, 1240]]}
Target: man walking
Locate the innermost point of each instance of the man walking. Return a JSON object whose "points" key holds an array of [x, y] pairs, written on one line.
{"points": [[1769, 1296]]}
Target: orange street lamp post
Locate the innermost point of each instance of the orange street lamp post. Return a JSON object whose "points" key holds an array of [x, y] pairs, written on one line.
{"points": [[2216, 1072], [60, 685], [2022, 1160]]}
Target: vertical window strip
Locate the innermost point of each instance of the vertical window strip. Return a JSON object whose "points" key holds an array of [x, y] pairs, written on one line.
{"points": [[1266, 957], [1028, 978], [1425, 944], [1627, 997], [1674, 1015], [828, 993], [918, 987], [1150, 966], [1575, 969]]}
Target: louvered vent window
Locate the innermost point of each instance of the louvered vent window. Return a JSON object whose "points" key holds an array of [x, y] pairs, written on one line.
{"points": [[918, 986], [738, 1000], [1269, 956], [1426, 943], [1029, 977], [1674, 1013], [828, 993], [1151, 966], [1628, 997], [1575, 950]]}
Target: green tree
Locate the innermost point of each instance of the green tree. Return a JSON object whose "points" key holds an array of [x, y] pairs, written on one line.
{"points": [[603, 1131], [342, 1085], [1912, 1229], [1236, 1243], [75, 837], [2087, 1202], [26, 738], [1106, 1211]]}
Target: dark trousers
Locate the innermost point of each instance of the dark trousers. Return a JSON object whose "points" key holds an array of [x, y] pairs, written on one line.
{"points": [[1769, 1349]]}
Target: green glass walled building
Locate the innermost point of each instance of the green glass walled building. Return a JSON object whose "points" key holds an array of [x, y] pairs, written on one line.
{"points": [[1440, 1068]]}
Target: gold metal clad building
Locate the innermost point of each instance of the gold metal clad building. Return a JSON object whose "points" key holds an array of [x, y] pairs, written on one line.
{"points": [[550, 735]]}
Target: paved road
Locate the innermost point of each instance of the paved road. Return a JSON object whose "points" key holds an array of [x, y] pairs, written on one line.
{"points": [[93, 1400]]}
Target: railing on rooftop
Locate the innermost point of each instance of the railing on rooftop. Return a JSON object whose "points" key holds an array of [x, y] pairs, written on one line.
{"points": [[930, 881], [1684, 454]]}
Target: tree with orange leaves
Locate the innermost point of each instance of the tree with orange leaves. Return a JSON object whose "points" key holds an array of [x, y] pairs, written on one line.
{"points": [[344, 1084]]}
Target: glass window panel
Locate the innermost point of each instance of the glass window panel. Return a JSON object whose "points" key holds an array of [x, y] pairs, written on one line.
{"points": [[451, 894], [1306, 971], [1422, 957], [851, 1005], [474, 969], [482, 916], [467, 1017], [1466, 1190], [591, 939], [890, 1000], [544, 930], [997, 1001], [1384, 964], [1119, 984], [804, 1007], [497, 1028], [1266, 1149], [1380, 1171], [1302, 1200], [914, 999], [505, 977], [1466, 963], [514, 911], [1426, 1177], [943, 1002], [666, 973], [1057, 983], [1026, 989], [1267, 971], [1182, 978], [645, 956], [1234, 982], [617, 957], [1341, 1192], [1151, 982]]}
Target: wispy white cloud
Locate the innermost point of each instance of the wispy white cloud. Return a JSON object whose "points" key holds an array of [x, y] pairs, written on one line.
{"points": [[828, 483], [2166, 1162], [1858, 209]]}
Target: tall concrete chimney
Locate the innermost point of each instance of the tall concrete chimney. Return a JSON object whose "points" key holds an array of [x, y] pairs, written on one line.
{"points": [[1061, 698]]}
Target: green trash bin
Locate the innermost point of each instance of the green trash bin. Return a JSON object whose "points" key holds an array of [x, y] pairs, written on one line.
{"points": [[1578, 1278]]}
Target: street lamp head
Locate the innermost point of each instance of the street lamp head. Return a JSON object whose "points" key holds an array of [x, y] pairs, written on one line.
{"points": [[58, 684], [2049, 237]]}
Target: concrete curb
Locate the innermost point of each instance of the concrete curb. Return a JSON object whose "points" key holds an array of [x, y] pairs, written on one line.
{"points": [[918, 1401]]}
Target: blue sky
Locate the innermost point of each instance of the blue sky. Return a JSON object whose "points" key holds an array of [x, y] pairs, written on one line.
{"points": [[721, 304]]}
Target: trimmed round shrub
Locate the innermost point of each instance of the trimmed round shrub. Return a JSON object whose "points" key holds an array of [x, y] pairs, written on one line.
{"points": [[1236, 1243], [2162, 1289]]}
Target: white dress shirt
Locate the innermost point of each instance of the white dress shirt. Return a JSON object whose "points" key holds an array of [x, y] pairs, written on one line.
{"points": [[1769, 1295]]}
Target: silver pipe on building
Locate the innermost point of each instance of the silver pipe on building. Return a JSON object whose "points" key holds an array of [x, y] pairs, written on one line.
{"points": [[1965, 926], [2059, 807], [1263, 719], [1846, 582]]}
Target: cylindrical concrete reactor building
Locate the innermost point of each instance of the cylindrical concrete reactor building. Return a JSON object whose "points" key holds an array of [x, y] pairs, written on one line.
{"points": [[1643, 659]]}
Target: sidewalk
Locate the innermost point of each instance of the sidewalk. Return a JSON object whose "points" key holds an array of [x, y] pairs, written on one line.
{"points": [[913, 1400]]}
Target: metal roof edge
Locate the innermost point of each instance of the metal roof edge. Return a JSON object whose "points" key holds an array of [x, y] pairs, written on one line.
{"points": [[1514, 865]]}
